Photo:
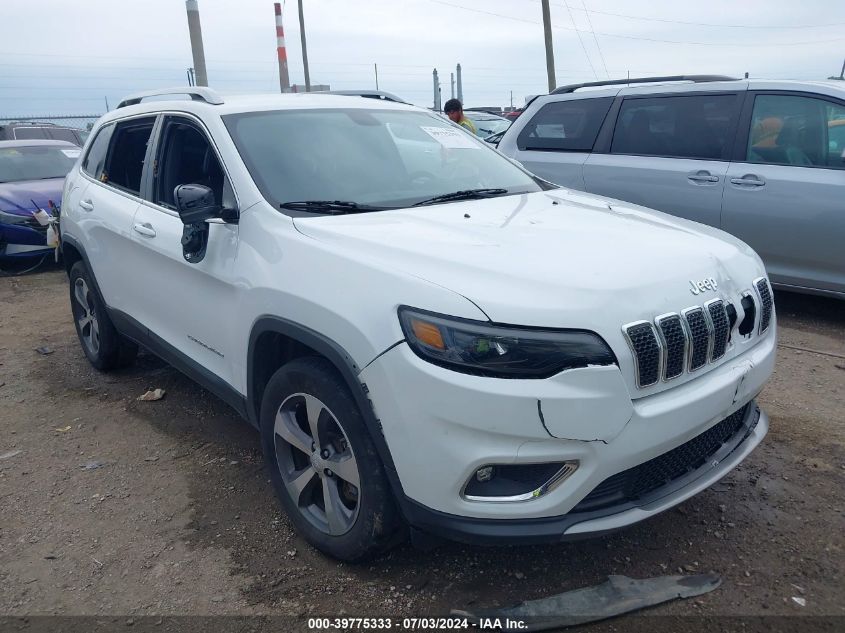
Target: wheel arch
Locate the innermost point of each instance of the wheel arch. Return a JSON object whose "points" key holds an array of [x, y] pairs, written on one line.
{"points": [[274, 341]]}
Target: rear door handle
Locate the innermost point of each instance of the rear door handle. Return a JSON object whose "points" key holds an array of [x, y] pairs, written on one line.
{"points": [[702, 176], [749, 180], [145, 228], [86, 205]]}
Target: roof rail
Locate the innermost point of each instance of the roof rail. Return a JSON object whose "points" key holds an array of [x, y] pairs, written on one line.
{"points": [[381, 95], [196, 93], [642, 80]]}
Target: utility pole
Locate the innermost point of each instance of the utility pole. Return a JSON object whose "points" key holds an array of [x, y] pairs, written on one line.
{"points": [[281, 50], [190, 73], [841, 76], [460, 86], [550, 53], [453, 86], [375, 66], [511, 99], [195, 31], [436, 91], [107, 103], [304, 48]]}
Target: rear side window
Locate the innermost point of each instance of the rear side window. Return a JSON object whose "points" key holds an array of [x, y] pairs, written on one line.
{"points": [[700, 126], [95, 159], [797, 131], [125, 159], [565, 125], [29, 133]]}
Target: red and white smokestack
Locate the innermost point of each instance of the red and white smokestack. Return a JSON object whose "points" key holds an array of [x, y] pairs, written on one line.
{"points": [[284, 77]]}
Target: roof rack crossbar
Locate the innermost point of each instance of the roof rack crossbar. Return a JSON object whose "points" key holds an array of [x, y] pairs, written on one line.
{"points": [[642, 80], [196, 93]]}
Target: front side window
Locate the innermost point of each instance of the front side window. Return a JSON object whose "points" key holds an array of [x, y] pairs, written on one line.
{"points": [[699, 126], [186, 157], [37, 162], [565, 125], [64, 134], [797, 131], [95, 159], [380, 158], [125, 159]]}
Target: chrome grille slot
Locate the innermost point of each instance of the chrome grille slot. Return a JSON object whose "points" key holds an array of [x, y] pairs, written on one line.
{"points": [[766, 302], [718, 316], [700, 338], [648, 357], [673, 336]]}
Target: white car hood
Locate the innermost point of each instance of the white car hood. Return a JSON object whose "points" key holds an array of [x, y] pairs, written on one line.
{"points": [[560, 259]]}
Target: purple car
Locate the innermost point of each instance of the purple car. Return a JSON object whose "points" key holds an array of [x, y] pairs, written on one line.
{"points": [[32, 174]]}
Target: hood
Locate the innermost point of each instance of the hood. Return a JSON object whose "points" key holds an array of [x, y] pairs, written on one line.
{"points": [[554, 259], [550, 259], [17, 197]]}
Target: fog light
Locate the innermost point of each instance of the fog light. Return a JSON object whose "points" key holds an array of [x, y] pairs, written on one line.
{"points": [[484, 474]]}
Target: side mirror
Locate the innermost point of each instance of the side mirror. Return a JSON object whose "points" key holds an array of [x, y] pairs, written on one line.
{"points": [[195, 204]]}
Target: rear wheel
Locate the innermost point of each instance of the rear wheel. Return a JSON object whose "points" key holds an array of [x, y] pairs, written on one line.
{"points": [[323, 463], [103, 345]]}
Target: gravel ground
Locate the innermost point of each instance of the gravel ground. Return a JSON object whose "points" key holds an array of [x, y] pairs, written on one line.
{"points": [[115, 507]]}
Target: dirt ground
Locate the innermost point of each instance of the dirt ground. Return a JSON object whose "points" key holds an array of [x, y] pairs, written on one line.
{"points": [[114, 507]]}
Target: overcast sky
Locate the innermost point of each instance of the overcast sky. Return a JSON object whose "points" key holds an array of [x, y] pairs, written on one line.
{"points": [[59, 57]]}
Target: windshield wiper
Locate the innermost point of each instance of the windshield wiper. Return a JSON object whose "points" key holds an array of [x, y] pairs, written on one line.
{"points": [[330, 207], [466, 194]]}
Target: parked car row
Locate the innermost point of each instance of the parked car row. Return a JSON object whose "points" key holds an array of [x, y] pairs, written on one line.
{"points": [[762, 160]]}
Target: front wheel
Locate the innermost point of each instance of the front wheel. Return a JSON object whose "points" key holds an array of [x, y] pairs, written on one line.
{"points": [[323, 463], [103, 345]]}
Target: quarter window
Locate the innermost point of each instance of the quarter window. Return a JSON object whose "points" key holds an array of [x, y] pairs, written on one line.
{"points": [[699, 126], [125, 160], [565, 125], [95, 159], [797, 131]]}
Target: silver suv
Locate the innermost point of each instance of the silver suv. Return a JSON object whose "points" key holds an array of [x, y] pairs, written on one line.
{"points": [[761, 159]]}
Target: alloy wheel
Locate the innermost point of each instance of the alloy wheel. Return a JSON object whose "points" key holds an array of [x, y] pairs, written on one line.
{"points": [[86, 319], [317, 464]]}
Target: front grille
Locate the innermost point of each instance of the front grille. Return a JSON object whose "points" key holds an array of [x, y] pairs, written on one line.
{"points": [[700, 337], [766, 301], [631, 485], [721, 329], [674, 341], [644, 344]]}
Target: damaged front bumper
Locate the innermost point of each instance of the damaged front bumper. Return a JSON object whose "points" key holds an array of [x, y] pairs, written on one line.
{"points": [[443, 427]]}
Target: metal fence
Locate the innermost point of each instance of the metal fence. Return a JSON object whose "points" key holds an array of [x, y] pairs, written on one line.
{"points": [[78, 121]]}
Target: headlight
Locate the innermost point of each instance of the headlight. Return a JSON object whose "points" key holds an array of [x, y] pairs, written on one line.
{"points": [[501, 351]]}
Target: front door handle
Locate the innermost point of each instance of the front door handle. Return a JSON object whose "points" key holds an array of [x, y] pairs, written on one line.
{"points": [[702, 176], [86, 205], [145, 228], [749, 180]]}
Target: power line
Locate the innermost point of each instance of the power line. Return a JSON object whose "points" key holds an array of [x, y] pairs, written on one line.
{"points": [[710, 24], [595, 39], [578, 33], [646, 39]]}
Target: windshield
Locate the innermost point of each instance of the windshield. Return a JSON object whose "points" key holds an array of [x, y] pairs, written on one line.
{"points": [[36, 162], [487, 125], [378, 158]]}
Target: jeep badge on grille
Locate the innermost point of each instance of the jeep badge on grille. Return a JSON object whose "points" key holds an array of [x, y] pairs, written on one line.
{"points": [[697, 287]]}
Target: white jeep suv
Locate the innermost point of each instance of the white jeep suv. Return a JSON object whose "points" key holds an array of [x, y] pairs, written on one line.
{"points": [[424, 334]]}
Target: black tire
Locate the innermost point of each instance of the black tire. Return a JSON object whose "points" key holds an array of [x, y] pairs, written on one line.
{"points": [[375, 524], [103, 345]]}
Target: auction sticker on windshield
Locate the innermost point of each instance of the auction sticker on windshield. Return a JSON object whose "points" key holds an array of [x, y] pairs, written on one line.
{"points": [[452, 139], [72, 153]]}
